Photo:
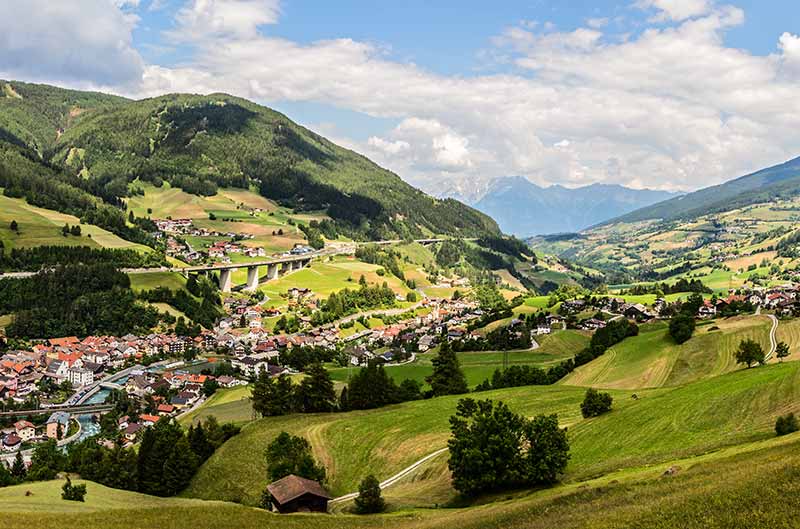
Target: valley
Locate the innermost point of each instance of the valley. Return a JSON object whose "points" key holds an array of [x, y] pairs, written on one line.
{"points": [[213, 277]]}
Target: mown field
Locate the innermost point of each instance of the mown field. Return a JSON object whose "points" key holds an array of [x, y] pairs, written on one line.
{"points": [[749, 487], [652, 359], [42, 227], [693, 419]]}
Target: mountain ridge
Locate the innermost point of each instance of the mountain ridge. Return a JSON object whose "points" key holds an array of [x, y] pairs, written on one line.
{"points": [[102, 143], [524, 208]]}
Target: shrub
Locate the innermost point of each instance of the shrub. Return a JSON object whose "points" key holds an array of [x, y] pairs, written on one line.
{"points": [[786, 424], [595, 403], [369, 499], [73, 492]]}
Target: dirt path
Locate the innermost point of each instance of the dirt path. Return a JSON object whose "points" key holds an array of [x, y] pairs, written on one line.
{"points": [[773, 343], [394, 479]]}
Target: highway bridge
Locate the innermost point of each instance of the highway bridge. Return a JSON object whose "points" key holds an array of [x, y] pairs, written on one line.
{"points": [[276, 266], [80, 408]]}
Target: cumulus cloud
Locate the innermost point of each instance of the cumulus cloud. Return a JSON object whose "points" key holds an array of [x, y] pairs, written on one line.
{"points": [[86, 44], [675, 10], [670, 108], [203, 19]]}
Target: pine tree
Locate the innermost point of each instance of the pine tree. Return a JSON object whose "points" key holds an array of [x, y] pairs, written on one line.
{"points": [[447, 377], [369, 499], [315, 393], [18, 469], [6, 478], [179, 467]]}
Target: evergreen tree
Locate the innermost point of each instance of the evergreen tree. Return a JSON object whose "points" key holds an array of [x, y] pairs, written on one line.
{"points": [[75, 231], [369, 499], [271, 396], [6, 477], [46, 462], [290, 454], [14, 226], [447, 377], [370, 388], [199, 442], [315, 393], [73, 492], [18, 469], [179, 467]]}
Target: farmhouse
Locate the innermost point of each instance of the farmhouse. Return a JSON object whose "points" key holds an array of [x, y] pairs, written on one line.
{"points": [[58, 418], [296, 494]]}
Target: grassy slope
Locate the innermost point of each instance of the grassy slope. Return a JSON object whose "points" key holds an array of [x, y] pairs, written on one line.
{"points": [[652, 359], [39, 227], [721, 411]]}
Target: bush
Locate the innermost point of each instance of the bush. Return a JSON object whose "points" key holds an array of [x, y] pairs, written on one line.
{"points": [[595, 403], [73, 492], [369, 499], [786, 424], [681, 327]]}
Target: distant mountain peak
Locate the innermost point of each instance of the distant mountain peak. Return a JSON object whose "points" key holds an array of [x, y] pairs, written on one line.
{"points": [[524, 208]]}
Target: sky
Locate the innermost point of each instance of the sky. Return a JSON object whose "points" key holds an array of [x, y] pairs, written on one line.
{"points": [[662, 94]]}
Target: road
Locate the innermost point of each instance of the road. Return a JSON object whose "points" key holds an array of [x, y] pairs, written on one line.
{"points": [[394, 479], [773, 343]]}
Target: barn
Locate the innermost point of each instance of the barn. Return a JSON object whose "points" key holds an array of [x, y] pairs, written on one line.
{"points": [[296, 494]]}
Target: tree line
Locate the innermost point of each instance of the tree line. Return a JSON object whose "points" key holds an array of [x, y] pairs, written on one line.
{"points": [[33, 259]]}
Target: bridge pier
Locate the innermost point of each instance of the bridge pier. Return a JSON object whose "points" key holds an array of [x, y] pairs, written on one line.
{"points": [[272, 272], [285, 267], [252, 279], [225, 281]]}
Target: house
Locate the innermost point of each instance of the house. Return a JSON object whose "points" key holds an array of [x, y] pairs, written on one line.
{"points": [[592, 324], [426, 342], [543, 328], [57, 370], [11, 442], [25, 430], [638, 312], [165, 409], [58, 422], [79, 376], [131, 431], [296, 494], [707, 310]]}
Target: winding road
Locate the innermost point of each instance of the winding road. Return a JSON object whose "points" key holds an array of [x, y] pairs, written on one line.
{"points": [[394, 479], [773, 343]]}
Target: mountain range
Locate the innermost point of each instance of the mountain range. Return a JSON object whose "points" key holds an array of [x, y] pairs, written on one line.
{"points": [[524, 208], [776, 182]]}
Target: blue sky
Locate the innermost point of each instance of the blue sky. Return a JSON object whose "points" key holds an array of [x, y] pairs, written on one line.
{"points": [[670, 94]]}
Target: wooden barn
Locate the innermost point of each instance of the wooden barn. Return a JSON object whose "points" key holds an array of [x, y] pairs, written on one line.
{"points": [[296, 494]]}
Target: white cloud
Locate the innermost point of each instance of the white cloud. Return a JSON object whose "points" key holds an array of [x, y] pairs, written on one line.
{"points": [[671, 108], [203, 19], [676, 10], [89, 44]]}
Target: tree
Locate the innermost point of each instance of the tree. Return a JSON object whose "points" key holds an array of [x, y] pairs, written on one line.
{"points": [[6, 477], [290, 454], [179, 467], [369, 499], [447, 377], [65, 230], [370, 388], [271, 396], [210, 386], [492, 448], [131, 218], [75, 230], [18, 469], [73, 492], [782, 350], [411, 297], [595, 403], [681, 327], [749, 353], [786, 424], [46, 462], [315, 392], [14, 226]]}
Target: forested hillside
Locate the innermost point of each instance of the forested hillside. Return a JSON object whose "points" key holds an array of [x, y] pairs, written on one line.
{"points": [[82, 146]]}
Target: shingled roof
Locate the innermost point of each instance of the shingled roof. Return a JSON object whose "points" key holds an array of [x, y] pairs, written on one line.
{"points": [[291, 487]]}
